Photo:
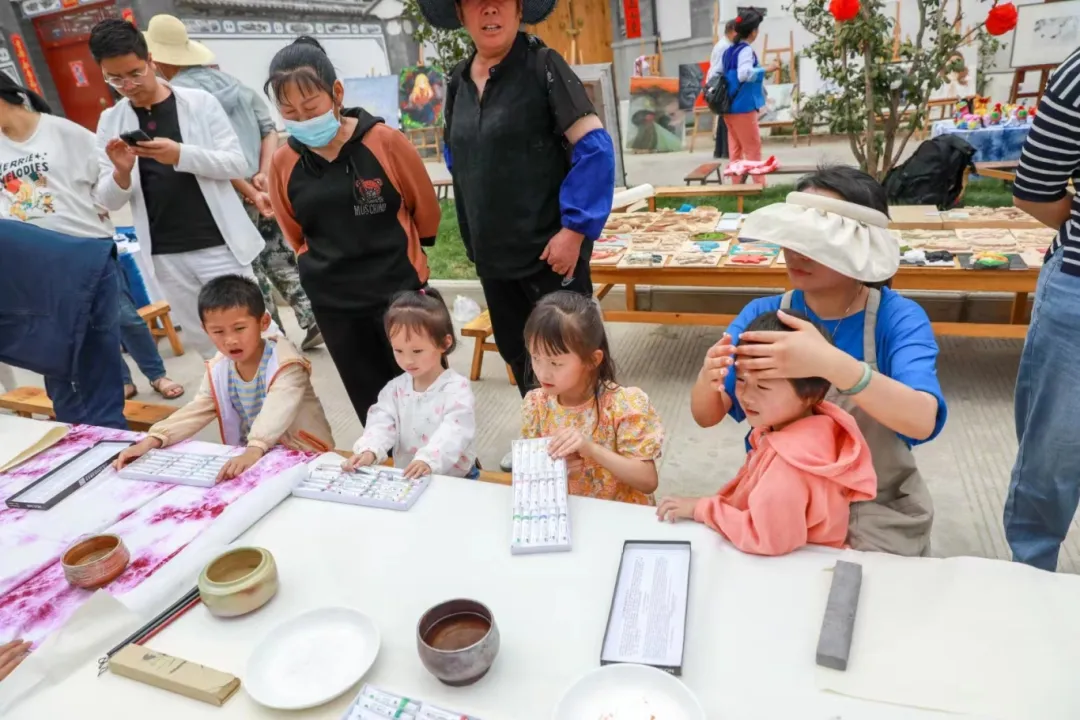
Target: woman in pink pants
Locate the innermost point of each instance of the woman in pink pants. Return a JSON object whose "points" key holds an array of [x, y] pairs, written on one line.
{"points": [[746, 85]]}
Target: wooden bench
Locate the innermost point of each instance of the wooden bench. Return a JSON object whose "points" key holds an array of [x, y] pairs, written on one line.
{"points": [[480, 329], [159, 312], [739, 192], [442, 188], [29, 401], [702, 173]]}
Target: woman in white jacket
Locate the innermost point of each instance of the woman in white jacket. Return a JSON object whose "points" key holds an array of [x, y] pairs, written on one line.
{"points": [[188, 219]]}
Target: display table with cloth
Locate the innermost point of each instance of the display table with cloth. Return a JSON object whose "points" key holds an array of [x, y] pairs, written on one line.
{"points": [[991, 144], [936, 633]]}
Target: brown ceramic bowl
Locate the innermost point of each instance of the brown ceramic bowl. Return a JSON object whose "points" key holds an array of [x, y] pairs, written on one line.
{"points": [[95, 561], [458, 641], [238, 582]]}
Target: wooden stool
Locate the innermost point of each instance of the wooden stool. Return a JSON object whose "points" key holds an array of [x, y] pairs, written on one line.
{"points": [[156, 312], [702, 173], [480, 328], [29, 401], [442, 188]]}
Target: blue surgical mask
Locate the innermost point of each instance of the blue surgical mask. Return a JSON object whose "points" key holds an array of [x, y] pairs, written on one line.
{"points": [[316, 132]]}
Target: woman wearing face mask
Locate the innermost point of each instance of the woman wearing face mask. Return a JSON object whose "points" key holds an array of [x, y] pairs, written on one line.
{"points": [[883, 367], [355, 202]]}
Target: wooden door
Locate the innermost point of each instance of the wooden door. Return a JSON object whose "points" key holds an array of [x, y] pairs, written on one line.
{"points": [[79, 83], [593, 21]]}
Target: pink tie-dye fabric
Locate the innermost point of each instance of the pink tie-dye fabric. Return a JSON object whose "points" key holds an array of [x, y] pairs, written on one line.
{"points": [[156, 521]]}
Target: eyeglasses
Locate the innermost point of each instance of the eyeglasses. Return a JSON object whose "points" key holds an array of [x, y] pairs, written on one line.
{"points": [[136, 78]]}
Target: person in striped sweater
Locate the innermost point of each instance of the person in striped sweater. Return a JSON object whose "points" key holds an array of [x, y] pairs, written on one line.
{"points": [[1045, 486]]}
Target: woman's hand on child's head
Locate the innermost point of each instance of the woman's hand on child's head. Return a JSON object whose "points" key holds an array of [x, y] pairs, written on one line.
{"points": [[417, 469], [240, 464], [359, 460], [718, 361], [777, 355], [569, 442], [676, 508], [136, 451]]}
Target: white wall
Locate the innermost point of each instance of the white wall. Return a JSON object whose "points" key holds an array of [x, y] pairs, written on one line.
{"points": [[248, 57]]}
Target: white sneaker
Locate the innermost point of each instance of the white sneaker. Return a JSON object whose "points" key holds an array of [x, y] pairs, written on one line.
{"points": [[507, 463]]}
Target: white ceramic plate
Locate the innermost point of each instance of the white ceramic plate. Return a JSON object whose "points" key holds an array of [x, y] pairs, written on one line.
{"points": [[628, 692], [312, 659]]}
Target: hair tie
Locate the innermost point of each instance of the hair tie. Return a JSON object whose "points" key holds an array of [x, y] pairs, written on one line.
{"points": [[738, 19], [423, 292]]}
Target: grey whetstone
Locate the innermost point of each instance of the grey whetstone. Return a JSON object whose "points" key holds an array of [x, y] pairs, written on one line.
{"points": [[834, 643]]}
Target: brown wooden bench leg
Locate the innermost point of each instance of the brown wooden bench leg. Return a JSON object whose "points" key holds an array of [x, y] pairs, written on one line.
{"points": [[24, 414], [477, 359], [170, 332], [652, 204], [510, 374], [631, 296], [1019, 309], [739, 203], [604, 290]]}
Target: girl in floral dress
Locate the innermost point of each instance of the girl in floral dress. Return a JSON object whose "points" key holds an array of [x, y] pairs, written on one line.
{"points": [[611, 436]]}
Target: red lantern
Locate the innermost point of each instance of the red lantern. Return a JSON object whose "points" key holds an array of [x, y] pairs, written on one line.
{"points": [[844, 10], [1001, 19]]}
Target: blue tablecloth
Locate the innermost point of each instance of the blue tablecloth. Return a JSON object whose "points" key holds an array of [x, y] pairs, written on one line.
{"points": [[991, 144]]}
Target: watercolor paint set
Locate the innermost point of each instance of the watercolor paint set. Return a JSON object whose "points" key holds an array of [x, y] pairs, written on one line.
{"points": [[176, 467], [375, 704], [45, 492], [541, 517], [379, 487]]}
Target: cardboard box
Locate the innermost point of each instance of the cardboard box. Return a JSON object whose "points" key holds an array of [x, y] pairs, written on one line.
{"points": [[173, 674], [914, 217]]}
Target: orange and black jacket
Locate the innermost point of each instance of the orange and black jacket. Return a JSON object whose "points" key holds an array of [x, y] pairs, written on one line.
{"points": [[358, 224]]}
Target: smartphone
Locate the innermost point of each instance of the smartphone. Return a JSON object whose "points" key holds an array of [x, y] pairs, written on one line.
{"points": [[135, 136]]}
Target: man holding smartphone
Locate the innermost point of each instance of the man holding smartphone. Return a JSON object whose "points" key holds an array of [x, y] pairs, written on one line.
{"points": [[189, 220]]}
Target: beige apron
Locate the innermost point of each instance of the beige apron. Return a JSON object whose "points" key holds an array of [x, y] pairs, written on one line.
{"points": [[898, 520]]}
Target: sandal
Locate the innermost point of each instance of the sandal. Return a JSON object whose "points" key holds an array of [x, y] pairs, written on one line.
{"points": [[130, 391], [167, 389]]}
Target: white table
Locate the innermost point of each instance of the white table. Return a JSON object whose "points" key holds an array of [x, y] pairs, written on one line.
{"points": [[751, 636]]}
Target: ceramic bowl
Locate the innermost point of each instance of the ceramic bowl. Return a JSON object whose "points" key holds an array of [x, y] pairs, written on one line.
{"points": [[238, 582], [458, 641], [95, 561]]}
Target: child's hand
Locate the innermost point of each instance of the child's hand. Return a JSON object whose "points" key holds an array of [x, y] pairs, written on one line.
{"points": [[359, 460], [240, 464], [718, 360], [417, 469], [136, 451], [569, 442], [676, 508]]}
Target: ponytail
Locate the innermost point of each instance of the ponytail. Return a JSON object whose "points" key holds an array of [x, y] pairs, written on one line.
{"points": [[14, 94]]}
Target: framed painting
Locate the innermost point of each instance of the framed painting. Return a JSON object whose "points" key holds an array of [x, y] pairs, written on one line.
{"points": [[1053, 31]]}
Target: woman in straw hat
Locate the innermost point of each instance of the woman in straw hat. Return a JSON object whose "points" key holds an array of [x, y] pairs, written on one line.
{"points": [[840, 257], [533, 167]]}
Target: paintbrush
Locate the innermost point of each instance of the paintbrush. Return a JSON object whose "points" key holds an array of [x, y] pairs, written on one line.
{"points": [[142, 632]]}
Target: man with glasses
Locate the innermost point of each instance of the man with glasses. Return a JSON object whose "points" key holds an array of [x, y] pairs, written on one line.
{"points": [[188, 219]]}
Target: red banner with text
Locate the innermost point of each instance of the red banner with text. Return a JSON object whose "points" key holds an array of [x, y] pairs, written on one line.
{"points": [[23, 58], [632, 11]]}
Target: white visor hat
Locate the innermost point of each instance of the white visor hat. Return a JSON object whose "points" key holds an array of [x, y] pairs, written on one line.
{"points": [[851, 239]]}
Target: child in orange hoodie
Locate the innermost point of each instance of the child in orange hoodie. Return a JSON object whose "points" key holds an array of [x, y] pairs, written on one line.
{"points": [[808, 462]]}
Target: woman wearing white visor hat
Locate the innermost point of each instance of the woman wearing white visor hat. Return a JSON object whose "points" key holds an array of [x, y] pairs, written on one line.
{"points": [[883, 366]]}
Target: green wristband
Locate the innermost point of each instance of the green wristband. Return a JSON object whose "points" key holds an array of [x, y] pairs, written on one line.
{"points": [[867, 373]]}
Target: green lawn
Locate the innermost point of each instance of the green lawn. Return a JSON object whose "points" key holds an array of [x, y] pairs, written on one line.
{"points": [[448, 261]]}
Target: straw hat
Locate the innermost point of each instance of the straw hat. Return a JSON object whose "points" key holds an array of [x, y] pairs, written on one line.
{"points": [[168, 41], [851, 239], [443, 13]]}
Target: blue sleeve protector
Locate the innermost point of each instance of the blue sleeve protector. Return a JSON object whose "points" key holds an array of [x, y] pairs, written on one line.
{"points": [[588, 189]]}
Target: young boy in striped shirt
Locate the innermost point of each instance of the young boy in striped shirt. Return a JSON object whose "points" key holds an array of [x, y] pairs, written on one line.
{"points": [[1045, 484], [258, 388]]}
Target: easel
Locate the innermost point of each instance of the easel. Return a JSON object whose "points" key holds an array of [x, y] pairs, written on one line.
{"points": [[1018, 81], [777, 76], [573, 31]]}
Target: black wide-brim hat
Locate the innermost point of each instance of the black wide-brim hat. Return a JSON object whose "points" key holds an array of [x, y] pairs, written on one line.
{"points": [[443, 13]]}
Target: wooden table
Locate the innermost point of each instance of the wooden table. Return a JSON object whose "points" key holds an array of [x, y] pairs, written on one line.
{"points": [[1017, 282], [999, 170], [739, 192]]}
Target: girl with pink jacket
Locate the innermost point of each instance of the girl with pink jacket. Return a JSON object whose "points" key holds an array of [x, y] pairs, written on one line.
{"points": [[808, 462]]}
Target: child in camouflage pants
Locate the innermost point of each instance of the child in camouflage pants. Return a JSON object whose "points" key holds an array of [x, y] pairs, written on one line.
{"points": [[276, 267]]}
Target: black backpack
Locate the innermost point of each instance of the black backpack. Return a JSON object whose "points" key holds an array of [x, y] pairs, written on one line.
{"points": [[934, 175]]}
